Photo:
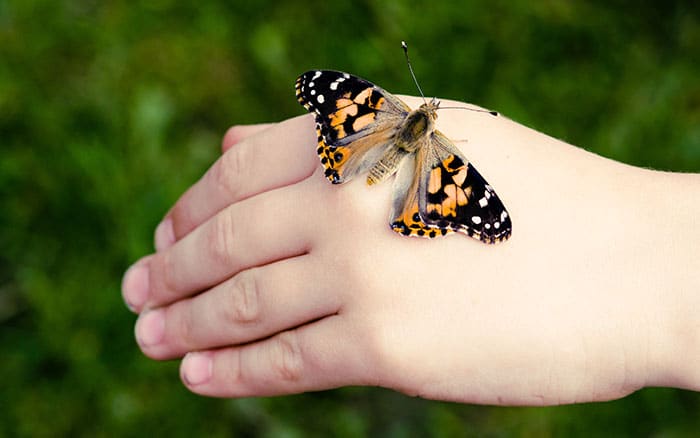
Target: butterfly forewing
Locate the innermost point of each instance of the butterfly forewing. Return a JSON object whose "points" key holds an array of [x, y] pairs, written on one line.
{"points": [[355, 120]]}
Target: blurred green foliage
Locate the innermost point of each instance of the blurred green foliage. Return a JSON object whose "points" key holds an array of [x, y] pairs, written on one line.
{"points": [[109, 110]]}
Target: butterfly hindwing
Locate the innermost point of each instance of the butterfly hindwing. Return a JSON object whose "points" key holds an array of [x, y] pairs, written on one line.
{"points": [[355, 120], [405, 215]]}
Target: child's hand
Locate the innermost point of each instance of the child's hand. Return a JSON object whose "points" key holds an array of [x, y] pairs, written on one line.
{"points": [[272, 281]]}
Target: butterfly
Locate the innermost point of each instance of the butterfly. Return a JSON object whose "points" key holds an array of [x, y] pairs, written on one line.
{"points": [[362, 128]]}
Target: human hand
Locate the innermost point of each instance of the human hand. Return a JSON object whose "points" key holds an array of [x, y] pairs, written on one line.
{"points": [[270, 280]]}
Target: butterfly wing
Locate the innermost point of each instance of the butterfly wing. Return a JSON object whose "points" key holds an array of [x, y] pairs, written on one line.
{"points": [[405, 215], [355, 120], [437, 192], [452, 195]]}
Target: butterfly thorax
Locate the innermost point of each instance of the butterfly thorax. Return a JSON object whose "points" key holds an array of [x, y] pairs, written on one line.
{"points": [[409, 137]]}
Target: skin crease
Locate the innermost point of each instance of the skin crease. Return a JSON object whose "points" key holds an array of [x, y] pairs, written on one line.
{"points": [[277, 282]]}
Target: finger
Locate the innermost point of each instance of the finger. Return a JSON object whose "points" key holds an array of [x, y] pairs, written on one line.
{"points": [[238, 133], [252, 305], [273, 158], [253, 232], [321, 355]]}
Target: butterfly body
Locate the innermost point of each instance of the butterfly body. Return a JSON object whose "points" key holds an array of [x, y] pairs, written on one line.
{"points": [[417, 125], [363, 128], [408, 139]]}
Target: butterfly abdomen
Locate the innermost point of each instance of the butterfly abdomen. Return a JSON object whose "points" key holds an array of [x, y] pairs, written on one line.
{"points": [[386, 166]]}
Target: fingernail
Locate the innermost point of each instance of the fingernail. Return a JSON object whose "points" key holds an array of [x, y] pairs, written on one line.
{"points": [[165, 234], [197, 368], [135, 285], [150, 328]]}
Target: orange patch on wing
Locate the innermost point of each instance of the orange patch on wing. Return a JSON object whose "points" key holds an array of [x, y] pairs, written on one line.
{"points": [[365, 98], [435, 180], [340, 156], [362, 97], [409, 222], [339, 117], [362, 121], [460, 176], [448, 161], [334, 159], [434, 208], [463, 196], [347, 108], [344, 102], [449, 205], [378, 105], [340, 131]]}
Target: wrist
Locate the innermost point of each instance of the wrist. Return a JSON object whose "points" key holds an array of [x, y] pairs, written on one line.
{"points": [[675, 349]]}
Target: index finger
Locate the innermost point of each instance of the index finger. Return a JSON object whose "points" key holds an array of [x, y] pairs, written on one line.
{"points": [[278, 156]]}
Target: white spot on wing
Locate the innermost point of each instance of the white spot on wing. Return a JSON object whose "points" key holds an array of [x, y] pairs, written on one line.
{"points": [[483, 202], [334, 85], [317, 74], [476, 219], [320, 98]]}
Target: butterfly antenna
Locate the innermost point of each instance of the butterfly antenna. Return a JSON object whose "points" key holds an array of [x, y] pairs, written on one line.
{"points": [[404, 46], [477, 110]]}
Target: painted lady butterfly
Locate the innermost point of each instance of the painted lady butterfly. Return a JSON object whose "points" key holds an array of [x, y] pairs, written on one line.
{"points": [[363, 128]]}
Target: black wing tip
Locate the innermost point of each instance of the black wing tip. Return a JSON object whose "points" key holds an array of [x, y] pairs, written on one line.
{"points": [[493, 235]]}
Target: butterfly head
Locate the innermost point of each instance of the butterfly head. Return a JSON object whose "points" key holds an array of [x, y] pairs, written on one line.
{"points": [[417, 125], [430, 108]]}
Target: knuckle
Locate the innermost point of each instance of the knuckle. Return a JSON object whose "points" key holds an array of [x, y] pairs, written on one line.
{"points": [[163, 275], [287, 360], [245, 299], [186, 328], [234, 134], [226, 174], [221, 175], [182, 219], [222, 238], [234, 370]]}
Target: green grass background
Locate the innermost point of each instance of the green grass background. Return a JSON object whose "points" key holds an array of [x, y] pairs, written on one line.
{"points": [[109, 110]]}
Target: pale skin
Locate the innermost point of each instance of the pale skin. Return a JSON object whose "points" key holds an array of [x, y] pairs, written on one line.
{"points": [[269, 280]]}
